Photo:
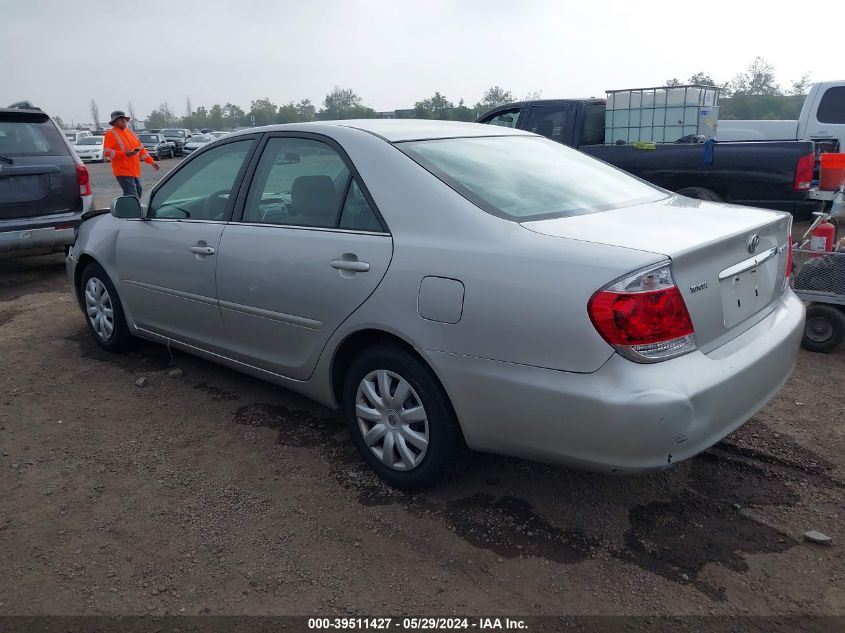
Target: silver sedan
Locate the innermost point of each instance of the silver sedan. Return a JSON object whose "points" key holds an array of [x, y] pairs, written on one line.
{"points": [[453, 286]]}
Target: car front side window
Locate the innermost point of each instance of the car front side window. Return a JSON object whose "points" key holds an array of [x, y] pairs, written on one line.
{"points": [[201, 190]]}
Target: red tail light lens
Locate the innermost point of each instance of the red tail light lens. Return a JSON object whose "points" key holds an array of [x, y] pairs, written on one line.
{"points": [[84, 180], [644, 316], [788, 258], [804, 172]]}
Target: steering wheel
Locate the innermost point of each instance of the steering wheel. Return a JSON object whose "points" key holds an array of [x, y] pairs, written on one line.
{"points": [[207, 205]]}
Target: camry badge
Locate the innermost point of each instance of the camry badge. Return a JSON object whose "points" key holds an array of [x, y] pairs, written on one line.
{"points": [[753, 243]]}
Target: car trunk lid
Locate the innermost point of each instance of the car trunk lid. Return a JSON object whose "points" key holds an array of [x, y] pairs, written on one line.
{"points": [[728, 262]]}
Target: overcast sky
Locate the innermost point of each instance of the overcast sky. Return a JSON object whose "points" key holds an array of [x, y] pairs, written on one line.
{"points": [[60, 54]]}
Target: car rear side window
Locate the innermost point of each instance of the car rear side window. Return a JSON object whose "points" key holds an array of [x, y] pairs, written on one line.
{"points": [[832, 106], [528, 178], [23, 135], [298, 181]]}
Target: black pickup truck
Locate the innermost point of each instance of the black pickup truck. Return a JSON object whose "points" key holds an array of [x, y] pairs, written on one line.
{"points": [[770, 174]]}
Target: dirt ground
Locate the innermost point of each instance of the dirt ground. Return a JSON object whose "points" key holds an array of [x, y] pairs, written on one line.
{"points": [[215, 493]]}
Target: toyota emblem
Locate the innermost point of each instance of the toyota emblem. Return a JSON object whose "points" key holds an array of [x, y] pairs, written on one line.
{"points": [[753, 243]]}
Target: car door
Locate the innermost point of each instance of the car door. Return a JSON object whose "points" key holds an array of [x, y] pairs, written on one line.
{"points": [[308, 247], [166, 261]]}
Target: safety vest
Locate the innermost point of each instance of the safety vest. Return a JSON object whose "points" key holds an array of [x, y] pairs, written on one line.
{"points": [[116, 144]]}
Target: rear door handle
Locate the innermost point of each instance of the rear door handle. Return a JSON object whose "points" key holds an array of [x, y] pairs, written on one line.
{"points": [[356, 266], [203, 250]]}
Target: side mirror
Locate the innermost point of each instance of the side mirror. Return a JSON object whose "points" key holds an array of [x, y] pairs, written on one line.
{"points": [[126, 208]]}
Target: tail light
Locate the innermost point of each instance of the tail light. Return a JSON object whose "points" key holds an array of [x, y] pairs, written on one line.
{"points": [[643, 316], [788, 259], [804, 172], [84, 180]]}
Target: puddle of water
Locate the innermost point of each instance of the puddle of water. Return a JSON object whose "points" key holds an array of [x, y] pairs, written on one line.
{"points": [[296, 427], [509, 527]]}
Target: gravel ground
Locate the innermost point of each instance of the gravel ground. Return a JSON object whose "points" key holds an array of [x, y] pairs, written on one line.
{"points": [[215, 493]]}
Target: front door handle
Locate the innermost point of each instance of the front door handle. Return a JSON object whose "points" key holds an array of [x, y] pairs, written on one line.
{"points": [[203, 250], [353, 265]]}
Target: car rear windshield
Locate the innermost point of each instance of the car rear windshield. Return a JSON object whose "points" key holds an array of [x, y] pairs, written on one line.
{"points": [[528, 178], [148, 138], [91, 140], [29, 135], [173, 132], [205, 138]]}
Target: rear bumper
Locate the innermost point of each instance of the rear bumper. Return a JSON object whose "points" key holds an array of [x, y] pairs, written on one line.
{"points": [[625, 417], [47, 232]]}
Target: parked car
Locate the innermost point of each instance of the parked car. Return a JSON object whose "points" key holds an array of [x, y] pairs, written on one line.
{"points": [[44, 186], [822, 121], [157, 145], [772, 175], [197, 141], [90, 148], [74, 136], [447, 284], [179, 137], [217, 134]]}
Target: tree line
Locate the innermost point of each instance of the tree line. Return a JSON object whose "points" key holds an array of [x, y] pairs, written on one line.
{"points": [[340, 103], [753, 94]]}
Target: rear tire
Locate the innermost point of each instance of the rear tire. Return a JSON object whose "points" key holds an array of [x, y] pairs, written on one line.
{"points": [[103, 310], [824, 328], [700, 193], [419, 429]]}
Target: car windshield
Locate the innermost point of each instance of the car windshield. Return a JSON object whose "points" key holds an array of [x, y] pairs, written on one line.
{"points": [[91, 140], [179, 133], [528, 178], [202, 138], [148, 138]]}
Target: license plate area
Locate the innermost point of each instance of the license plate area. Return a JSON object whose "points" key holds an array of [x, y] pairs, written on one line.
{"points": [[746, 293]]}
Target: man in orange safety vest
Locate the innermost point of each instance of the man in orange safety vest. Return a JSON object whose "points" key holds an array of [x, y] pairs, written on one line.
{"points": [[125, 151]]}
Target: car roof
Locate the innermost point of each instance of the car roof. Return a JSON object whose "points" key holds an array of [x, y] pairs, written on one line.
{"points": [[394, 130]]}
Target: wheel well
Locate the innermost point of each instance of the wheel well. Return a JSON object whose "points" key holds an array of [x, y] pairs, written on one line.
{"points": [[353, 345], [81, 265]]}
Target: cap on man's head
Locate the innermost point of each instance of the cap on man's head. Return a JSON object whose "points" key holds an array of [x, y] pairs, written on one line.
{"points": [[117, 114]]}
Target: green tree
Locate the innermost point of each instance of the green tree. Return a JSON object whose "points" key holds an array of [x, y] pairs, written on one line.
{"points": [[344, 103], [436, 107], [672, 82], [702, 79], [801, 86], [287, 114], [463, 113], [215, 117], [262, 112], [759, 79], [200, 118], [161, 117], [494, 97], [306, 110], [233, 116]]}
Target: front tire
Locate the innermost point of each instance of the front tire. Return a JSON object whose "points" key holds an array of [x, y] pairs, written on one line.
{"points": [[824, 328], [400, 418], [103, 310]]}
